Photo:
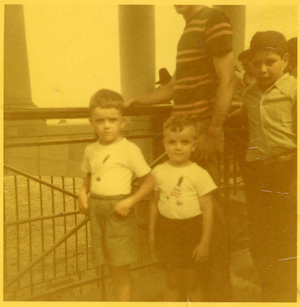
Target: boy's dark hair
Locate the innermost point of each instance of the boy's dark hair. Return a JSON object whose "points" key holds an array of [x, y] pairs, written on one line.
{"points": [[178, 123], [106, 99], [246, 54], [269, 40]]}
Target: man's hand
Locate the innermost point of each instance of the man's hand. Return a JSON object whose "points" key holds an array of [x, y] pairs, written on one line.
{"points": [[128, 102], [201, 252], [124, 206], [205, 145]]}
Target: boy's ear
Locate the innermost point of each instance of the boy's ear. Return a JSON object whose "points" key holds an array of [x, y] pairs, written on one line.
{"points": [[285, 60], [124, 122], [195, 144]]}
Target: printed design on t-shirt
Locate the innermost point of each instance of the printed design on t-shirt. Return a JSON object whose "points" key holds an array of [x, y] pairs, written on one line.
{"points": [[175, 195], [100, 168]]}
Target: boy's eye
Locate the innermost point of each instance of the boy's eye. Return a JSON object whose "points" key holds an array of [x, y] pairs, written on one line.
{"points": [[270, 62], [185, 142]]}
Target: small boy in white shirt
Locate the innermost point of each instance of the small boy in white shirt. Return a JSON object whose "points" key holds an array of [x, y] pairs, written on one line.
{"points": [[181, 212], [110, 163]]}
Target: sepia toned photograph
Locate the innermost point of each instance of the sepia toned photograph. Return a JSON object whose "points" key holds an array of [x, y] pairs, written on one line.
{"points": [[150, 153]]}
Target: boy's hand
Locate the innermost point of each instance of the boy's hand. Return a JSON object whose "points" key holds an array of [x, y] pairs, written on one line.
{"points": [[83, 206], [124, 206], [83, 194], [205, 146], [201, 252]]}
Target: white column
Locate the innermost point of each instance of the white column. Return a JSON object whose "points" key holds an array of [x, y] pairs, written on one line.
{"points": [[17, 92], [137, 49]]}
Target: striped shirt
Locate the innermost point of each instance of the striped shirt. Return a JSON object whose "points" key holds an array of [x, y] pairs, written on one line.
{"points": [[208, 34]]}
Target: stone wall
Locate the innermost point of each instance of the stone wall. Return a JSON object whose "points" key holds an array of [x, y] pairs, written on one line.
{"points": [[62, 159]]}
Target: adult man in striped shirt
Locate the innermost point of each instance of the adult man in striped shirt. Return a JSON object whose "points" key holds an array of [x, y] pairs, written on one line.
{"points": [[202, 87], [203, 83]]}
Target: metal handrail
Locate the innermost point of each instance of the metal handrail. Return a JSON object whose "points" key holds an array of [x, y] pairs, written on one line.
{"points": [[87, 281], [40, 181], [58, 113], [40, 218], [72, 141]]}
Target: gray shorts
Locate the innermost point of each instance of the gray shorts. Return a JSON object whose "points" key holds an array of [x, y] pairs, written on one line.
{"points": [[114, 237]]}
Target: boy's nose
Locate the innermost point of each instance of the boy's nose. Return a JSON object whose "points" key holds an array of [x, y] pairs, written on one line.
{"points": [[178, 146], [263, 68], [106, 124]]}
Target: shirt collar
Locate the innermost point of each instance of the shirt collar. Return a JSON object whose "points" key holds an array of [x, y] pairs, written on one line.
{"points": [[283, 84], [191, 18]]}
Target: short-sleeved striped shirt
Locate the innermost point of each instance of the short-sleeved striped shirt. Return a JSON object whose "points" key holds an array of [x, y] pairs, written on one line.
{"points": [[208, 34]]}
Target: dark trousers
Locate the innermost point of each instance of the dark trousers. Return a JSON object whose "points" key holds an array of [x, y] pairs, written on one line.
{"points": [[272, 216], [217, 286]]}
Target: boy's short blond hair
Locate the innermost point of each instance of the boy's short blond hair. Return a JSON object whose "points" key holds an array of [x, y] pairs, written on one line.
{"points": [[177, 123], [106, 99]]}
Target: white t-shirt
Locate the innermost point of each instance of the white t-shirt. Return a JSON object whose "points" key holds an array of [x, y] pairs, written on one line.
{"points": [[180, 188], [112, 167]]}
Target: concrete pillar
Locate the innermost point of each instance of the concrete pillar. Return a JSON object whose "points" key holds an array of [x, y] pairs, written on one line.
{"points": [[17, 92], [137, 49], [237, 15]]}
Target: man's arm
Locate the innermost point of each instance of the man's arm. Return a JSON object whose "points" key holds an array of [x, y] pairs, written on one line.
{"points": [[124, 206], [160, 95], [235, 119], [224, 68], [83, 194], [201, 251], [153, 212]]}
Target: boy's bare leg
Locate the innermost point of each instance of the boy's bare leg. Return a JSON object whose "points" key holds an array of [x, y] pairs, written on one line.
{"points": [[174, 286], [193, 285], [121, 278]]}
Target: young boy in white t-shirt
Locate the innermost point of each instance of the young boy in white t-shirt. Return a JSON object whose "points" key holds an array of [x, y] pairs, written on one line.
{"points": [[181, 212], [110, 164]]}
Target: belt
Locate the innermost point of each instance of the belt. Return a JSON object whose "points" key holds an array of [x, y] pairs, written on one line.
{"points": [[284, 158]]}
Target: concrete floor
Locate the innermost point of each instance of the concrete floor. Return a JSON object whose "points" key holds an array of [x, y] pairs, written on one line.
{"points": [[150, 286]]}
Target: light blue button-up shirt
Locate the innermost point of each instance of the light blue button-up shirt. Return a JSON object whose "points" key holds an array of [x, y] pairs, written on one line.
{"points": [[272, 117]]}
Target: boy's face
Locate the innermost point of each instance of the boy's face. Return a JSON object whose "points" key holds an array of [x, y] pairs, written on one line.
{"points": [[247, 66], [179, 145], [107, 124], [268, 67]]}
